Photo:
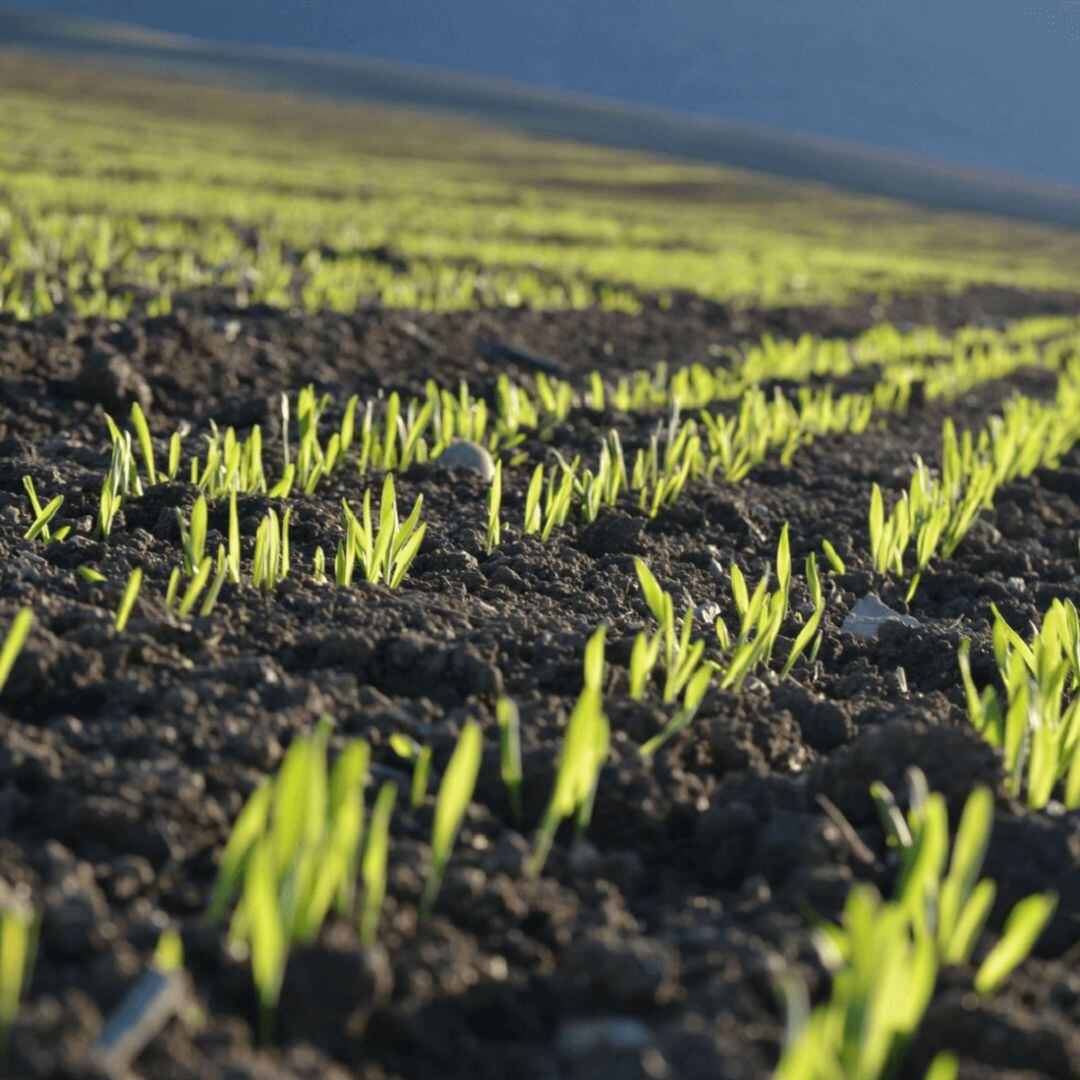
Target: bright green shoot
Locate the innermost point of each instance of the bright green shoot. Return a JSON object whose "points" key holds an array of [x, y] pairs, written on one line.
{"points": [[1023, 928], [127, 601], [233, 557], [584, 752], [494, 526], [121, 480], [18, 934], [264, 933], [271, 563], [318, 569], [382, 555], [954, 904], [409, 749], [810, 628], [833, 558], [373, 864], [185, 604], [14, 640], [43, 515], [548, 505], [643, 657], [1036, 722], [696, 689], [292, 857], [193, 536], [455, 794], [937, 513], [509, 721], [169, 952], [142, 433], [886, 955]]}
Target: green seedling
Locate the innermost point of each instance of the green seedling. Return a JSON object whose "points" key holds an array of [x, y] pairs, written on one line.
{"points": [[954, 904], [142, 433], [291, 857], [1036, 721], [937, 513], [455, 794], [1023, 928], [270, 565], [14, 641], [194, 588], [176, 441], [887, 955], [584, 752], [232, 465], [233, 557], [39, 529], [18, 934], [193, 536], [548, 505], [169, 952], [644, 654], [494, 526], [90, 574], [373, 865], [533, 518], [127, 601], [121, 480], [212, 594], [509, 721], [384, 555], [806, 634], [696, 689], [833, 558], [420, 778], [409, 749]]}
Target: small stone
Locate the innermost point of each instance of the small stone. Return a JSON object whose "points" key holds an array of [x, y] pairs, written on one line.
{"points": [[463, 454], [230, 328], [984, 530], [620, 1034], [707, 614], [898, 681], [868, 616], [1016, 585], [148, 1007]]}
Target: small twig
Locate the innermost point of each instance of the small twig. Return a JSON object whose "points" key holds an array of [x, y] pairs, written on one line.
{"points": [[847, 830]]}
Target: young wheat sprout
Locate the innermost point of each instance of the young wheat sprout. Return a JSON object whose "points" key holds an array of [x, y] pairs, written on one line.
{"points": [[584, 752], [127, 601], [455, 794], [14, 640], [18, 933]]}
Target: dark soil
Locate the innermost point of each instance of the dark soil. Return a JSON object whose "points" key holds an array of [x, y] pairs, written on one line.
{"points": [[650, 949]]}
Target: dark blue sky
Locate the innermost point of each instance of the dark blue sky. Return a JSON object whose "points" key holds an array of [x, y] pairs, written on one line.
{"points": [[992, 83]]}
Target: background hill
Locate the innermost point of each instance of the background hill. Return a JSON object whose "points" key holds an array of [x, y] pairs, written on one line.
{"points": [[989, 83]]}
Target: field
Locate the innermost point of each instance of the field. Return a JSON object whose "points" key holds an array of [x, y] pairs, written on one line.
{"points": [[432, 567]]}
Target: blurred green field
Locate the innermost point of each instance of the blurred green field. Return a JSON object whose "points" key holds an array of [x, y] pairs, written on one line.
{"points": [[119, 190]]}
